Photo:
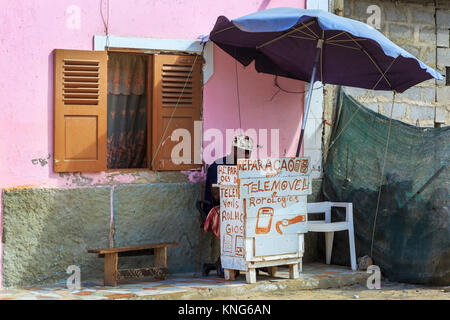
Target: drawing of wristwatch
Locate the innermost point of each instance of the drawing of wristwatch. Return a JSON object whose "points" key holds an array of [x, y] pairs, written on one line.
{"points": [[288, 222]]}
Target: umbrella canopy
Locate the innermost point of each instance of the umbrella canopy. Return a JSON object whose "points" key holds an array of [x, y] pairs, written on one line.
{"points": [[289, 42]]}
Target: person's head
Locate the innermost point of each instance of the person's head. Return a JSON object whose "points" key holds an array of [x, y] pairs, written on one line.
{"points": [[242, 147]]}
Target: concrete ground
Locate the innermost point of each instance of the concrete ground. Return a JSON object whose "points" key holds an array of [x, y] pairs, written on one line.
{"points": [[317, 281], [388, 291]]}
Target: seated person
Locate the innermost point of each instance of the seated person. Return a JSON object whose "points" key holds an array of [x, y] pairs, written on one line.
{"points": [[241, 148]]}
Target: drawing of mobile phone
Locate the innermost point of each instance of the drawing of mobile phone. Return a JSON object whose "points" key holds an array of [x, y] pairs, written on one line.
{"points": [[264, 220]]}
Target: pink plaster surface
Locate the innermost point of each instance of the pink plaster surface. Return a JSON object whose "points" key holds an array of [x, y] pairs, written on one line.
{"points": [[31, 30]]}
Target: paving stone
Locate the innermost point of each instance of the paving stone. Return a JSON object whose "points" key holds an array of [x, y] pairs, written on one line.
{"points": [[443, 56], [421, 113], [428, 94], [443, 37], [427, 34], [413, 93], [397, 31], [423, 15], [314, 276], [398, 112], [395, 13], [443, 18]]}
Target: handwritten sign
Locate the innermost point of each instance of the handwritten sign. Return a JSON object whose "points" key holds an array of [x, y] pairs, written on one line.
{"points": [[263, 205], [227, 175], [276, 187], [232, 230], [273, 167], [265, 217]]}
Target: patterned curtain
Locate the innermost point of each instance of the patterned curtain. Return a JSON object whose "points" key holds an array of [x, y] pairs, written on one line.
{"points": [[127, 111]]}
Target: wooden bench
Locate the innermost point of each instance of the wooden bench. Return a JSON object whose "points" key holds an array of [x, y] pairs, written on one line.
{"points": [[111, 255]]}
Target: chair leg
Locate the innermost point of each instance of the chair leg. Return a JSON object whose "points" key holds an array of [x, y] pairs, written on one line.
{"points": [[328, 245], [351, 241]]}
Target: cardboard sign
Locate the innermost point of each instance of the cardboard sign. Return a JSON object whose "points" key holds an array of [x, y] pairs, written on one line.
{"points": [[264, 219], [232, 230], [273, 167], [263, 205], [227, 175], [279, 186]]}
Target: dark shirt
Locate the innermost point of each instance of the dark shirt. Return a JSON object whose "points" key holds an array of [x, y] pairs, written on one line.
{"points": [[211, 178]]}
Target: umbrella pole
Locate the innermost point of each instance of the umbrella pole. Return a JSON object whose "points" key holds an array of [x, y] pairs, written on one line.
{"points": [[308, 100]]}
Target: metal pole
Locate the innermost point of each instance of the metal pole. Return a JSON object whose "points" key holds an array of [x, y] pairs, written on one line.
{"points": [[308, 100]]}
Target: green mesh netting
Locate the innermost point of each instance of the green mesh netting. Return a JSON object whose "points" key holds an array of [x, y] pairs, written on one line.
{"points": [[411, 241]]}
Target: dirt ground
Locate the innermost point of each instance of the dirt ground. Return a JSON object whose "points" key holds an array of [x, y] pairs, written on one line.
{"points": [[388, 291]]}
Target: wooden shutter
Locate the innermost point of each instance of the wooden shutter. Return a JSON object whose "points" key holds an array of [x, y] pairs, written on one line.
{"points": [[80, 87], [177, 101]]}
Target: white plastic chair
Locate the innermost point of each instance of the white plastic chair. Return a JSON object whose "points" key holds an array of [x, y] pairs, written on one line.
{"points": [[331, 227]]}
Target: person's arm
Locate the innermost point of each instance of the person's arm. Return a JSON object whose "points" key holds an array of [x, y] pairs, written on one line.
{"points": [[211, 178], [215, 193]]}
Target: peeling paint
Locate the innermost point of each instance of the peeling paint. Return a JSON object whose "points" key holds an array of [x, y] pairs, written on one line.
{"points": [[195, 176], [27, 186], [42, 161], [81, 180]]}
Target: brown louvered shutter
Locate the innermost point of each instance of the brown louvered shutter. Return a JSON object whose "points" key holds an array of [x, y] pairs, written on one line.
{"points": [[80, 88], [177, 101]]}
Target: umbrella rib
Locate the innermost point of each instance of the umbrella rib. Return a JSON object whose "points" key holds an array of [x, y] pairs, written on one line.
{"points": [[385, 73], [224, 29], [307, 34], [342, 46], [311, 30], [283, 35], [336, 35], [346, 40], [305, 38], [371, 59]]}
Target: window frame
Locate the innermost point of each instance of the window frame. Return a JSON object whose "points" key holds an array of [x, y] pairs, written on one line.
{"points": [[150, 86]]}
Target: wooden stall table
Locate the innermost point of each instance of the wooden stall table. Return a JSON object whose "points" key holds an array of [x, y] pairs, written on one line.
{"points": [[263, 215]]}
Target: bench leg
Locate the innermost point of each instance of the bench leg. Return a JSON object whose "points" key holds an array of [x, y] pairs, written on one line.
{"points": [[110, 270], [328, 245], [161, 257], [229, 274], [161, 261], [250, 277]]}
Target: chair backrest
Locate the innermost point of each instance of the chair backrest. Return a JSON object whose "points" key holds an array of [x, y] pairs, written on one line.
{"points": [[325, 207], [319, 207]]}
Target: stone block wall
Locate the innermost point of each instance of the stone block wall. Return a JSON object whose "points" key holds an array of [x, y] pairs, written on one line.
{"points": [[422, 29], [45, 230]]}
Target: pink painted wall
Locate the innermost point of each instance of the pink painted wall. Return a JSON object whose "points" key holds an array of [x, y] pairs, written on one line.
{"points": [[31, 30]]}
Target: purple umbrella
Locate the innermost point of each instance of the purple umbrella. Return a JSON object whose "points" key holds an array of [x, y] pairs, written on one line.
{"points": [[315, 45]]}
